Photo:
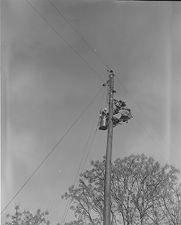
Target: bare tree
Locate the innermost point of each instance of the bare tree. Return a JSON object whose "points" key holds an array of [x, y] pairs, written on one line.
{"points": [[27, 218], [87, 198], [170, 204], [142, 192]]}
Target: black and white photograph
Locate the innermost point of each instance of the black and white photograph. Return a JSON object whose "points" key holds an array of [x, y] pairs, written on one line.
{"points": [[90, 112]]}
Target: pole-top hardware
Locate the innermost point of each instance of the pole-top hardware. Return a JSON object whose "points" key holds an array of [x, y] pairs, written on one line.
{"points": [[109, 70]]}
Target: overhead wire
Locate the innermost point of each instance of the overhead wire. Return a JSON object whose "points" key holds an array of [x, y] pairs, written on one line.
{"points": [[90, 67], [62, 38], [54, 147], [76, 30], [92, 49], [81, 168], [51, 150]]}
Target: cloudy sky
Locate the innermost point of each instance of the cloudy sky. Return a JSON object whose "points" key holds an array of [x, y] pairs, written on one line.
{"points": [[49, 64]]}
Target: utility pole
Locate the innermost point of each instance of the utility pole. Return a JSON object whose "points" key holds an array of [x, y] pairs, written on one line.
{"points": [[107, 121], [107, 184]]}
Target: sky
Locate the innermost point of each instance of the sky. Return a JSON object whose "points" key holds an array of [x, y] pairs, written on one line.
{"points": [[53, 66]]}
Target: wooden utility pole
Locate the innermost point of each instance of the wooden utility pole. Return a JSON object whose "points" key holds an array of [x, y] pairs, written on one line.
{"points": [[107, 184]]}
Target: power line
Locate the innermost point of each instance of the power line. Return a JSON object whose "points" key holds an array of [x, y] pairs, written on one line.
{"points": [[77, 31], [90, 47], [79, 170], [51, 151], [62, 38]]}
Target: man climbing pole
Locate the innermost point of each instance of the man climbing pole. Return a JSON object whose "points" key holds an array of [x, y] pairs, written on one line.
{"points": [[118, 107]]}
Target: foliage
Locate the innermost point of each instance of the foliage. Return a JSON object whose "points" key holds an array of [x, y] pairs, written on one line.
{"points": [[27, 218], [142, 192]]}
